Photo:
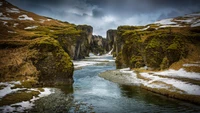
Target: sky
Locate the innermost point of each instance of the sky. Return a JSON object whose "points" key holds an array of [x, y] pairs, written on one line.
{"points": [[109, 14]]}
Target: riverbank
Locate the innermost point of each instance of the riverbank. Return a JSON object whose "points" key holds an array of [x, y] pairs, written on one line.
{"points": [[170, 83]]}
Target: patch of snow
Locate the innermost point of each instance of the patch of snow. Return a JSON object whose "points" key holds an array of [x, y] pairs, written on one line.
{"points": [[7, 89], [48, 19], [165, 22], [6, 18], [13, 10], [189, 65], [24, 105], [110, 52], [15, 24], [163, 26], [145, 28], [46, 92], [1, 3], [42, 20], [4, 22], [185, 21], [193, 15], [180, 73], [31, 27], [12, 32], [195, 24], [186, 87], [126, 70], [1, 14], [25, 17]]}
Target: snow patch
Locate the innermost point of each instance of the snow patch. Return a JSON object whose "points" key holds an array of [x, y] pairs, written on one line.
{"points": [[1, 3], [5, 18], [195, 24], [7, 89], [46, 92], [42, 20], [24, 105], [31, 27], [48, 19], [12, 32], [185, 21], [1, 14], [165, 22], [145, 28], [184, 86], [190, 65], [25, 17], [181, 73], [4, 22], [15, 24], [12, 10], [110, 52]]}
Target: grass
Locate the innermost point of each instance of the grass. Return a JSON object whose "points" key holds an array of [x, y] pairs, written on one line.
{"points": [[18, 96]]}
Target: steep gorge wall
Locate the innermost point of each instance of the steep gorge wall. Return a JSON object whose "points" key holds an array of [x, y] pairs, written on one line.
{"points": [[99, 45], [156, 49]]}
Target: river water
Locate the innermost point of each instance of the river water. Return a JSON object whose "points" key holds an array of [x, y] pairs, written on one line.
{"points": [[90, 93]]}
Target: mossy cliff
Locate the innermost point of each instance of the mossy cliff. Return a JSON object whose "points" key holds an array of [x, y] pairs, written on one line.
{"points": [[156, 49], [99, 45], [40, 50], [76, 41]]}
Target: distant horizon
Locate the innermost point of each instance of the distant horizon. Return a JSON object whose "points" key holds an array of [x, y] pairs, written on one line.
{"points": [[109, 14]]}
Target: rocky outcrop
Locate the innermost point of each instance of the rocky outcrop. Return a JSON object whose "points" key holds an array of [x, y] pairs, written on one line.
{"points": [[76, 41], [114, 41], [39, 49], [157, 49], [99, 45]]}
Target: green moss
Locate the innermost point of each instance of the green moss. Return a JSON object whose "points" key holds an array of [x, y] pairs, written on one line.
{"points": [[26, 84], [136, 62], [164, 64], [154, 43], [18, 97], [119, 61]]}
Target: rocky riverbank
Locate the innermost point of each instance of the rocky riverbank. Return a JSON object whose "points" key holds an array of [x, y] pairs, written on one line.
{"points": [[169, 83]]}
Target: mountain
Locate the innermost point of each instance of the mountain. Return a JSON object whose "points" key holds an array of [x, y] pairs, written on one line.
{"points": [[170, 43], [40, 49]]}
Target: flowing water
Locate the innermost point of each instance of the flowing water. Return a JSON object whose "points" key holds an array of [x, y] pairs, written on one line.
{"points": [[90, 93]]}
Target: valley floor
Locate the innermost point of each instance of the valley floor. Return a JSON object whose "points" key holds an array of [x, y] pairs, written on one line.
{"points": [[178, 84]]}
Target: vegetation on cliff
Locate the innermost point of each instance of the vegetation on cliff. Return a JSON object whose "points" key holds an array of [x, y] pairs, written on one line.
{"points": [[39, 49]]}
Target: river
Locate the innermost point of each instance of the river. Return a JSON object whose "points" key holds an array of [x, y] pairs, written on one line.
{"points": [[90, 93]]}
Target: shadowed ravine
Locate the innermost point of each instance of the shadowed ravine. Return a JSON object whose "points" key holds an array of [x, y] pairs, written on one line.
{"points": [[90, 93]]}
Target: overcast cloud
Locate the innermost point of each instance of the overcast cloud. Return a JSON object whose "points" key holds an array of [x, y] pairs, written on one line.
{"points": [[108, 14]]}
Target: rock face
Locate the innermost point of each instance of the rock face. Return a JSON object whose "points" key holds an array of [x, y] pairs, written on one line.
{"points": [[77, 42], [99, 45], [155, 48], [111, 36], [38, 48]]}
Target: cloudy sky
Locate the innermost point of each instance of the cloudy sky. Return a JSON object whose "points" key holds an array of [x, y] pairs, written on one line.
{"points": [[108, 14]]}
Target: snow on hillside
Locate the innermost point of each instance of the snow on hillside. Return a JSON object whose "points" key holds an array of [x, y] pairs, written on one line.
{"points": [[12, 10], [165, 22], [192, 20], [31, 27], [25, 17]]}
